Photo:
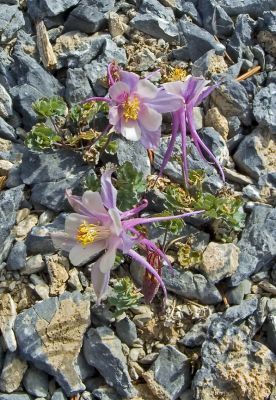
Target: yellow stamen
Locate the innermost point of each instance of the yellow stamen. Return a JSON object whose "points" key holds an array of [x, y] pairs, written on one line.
{"points": [[177, 74], [131, 108], [89, 233]]}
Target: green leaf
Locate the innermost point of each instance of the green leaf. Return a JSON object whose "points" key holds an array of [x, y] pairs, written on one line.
{"points": [[52, 107], [41, 137], [92, 183], [174, 226], [124, 296]]}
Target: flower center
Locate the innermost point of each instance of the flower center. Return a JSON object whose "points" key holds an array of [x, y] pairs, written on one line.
{"points": [[131, 108], [89, 233]]}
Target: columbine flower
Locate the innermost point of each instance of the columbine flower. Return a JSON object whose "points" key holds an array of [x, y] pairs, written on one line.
{"points": [[98, 226], [136, 106], [193, 91]]}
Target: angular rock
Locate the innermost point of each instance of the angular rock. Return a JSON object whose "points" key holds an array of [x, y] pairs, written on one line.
{"points": [[171, 370], [102, 349], [5, 103], [17, 257], [219, 261], [58, 395], [7, 131], [36, 382], [271, 331], [48, 8], [117, 24], [236, 295], [33, 264], [77, 86], [197, 334], [57, 273], [254, 155], [12, 373], [209, 64], [264, 107], [241, 40], [190, 286], [190, 10], [11, 21], [7, 318], [50, 336], [155, 8], [232, 363], [105, 393], [14, 396], [216, 144], [195, 41], [255, 8], [215, 19], [89, 16], [10, 201], [158, 28], [126, 331], [216, 120], [257, 244]]}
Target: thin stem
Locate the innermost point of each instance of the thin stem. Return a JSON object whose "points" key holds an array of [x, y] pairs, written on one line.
{"points": [[96, 99]]}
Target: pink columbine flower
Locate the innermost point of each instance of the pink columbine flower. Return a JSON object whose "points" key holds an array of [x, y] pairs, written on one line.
{"points": [[136, 107], [193, 91], [98, 226]]}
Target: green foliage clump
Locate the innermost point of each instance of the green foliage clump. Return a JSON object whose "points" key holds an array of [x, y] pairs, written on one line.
{"points": [[174, 226], [92, 183], [124, 296], [52, 107], [187, 257], [41, 137]]}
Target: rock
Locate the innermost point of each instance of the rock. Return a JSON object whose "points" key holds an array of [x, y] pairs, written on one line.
{"points": [[9, 203], [156, 27], [58, 395], [232, 100], [57, 273], [195, 41], [216, 120], [74, 281], [257, 243], [233, 364], [171, 370], [254, 155], [22, 229], [17, 257], [89, 17], [50, 336], [190, 10], [215, 19], [11, 21], [36, 382], [267, 41], [197, 334], [101, 315], [126, 331], [117, 24], [144, 60], [252, 193], [216, 144], [263, 107], [33, 264], [102, 349], [241, 41], [236, 295], [14, 396], [85, 370], [49, 8], [219, 261], [12, 372], [5, 167], [255, 8], [236, 177], [209, 64], [77, 86], [5, 103], [190, 286], [105, 393], [7, 131], [7, 318], [155, 8], [271, 332]]}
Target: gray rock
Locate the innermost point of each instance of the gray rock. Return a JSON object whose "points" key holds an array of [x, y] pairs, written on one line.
{"points": [[33, 265], [257, 244], [12, 373], [11, 2], [5, 103], [85, 370], [155, 8], [158, 28], [48, 8], [103, 350], [236, 295], [197, 334], [106, 393], [36, 382], [209, 64], [77, 86], [270, 21], [252, 193], [190, 10], [216, 144], [250, 156], [264, 107], [255, 8], [126, 331], [14, 179], [50, 336], [17, 257], [271, 332], [14, 396], [241, 40], [215, 19], [195, 41], [58, 395], [6, 131], [232, 100], [89, 16], [10, 201], [190, 286], [101, 315], [11, 21], [172, 371]]}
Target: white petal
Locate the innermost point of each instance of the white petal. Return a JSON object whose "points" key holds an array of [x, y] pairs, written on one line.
{"points": [[174, 87], [131, 130], [80, 255], [107, 260], [146, 89], [113, 115], [150, 118], [116, 219], [93, 201], [118, 89], [73, 222], [99, 280], [62, 241]]}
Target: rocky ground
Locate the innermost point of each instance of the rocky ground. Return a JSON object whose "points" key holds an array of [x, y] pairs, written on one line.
{"points": [[217, 337]]}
